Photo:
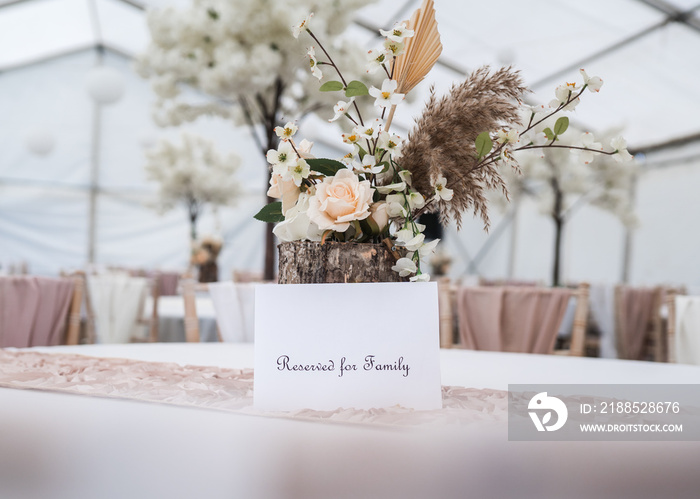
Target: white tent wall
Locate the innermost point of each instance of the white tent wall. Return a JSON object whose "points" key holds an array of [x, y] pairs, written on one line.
{"points": [[44, 201], [667, 242]]}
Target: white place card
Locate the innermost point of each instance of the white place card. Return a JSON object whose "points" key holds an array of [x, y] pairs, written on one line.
{"points": [[362, 346]]}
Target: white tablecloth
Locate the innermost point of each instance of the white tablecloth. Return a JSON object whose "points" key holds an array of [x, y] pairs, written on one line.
{"points": [[65, 446]]}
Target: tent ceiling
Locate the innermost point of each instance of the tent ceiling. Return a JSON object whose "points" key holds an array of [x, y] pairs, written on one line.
{"points": [[640, 47]]}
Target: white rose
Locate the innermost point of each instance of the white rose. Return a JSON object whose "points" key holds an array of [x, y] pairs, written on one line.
{"points": [[285, 190], [339, 200]]}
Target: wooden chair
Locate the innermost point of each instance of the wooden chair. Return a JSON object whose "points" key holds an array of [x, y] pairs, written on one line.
{"points": [[654, 341], [577, 344], [74, 312], [189, 295], [512, 342], [446, 296]]}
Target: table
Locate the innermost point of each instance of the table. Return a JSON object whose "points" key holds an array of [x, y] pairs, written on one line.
{"points": [[65, 446]]}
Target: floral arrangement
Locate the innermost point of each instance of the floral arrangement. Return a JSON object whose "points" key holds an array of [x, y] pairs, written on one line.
{"points": [[452, 157], [192, 174], [205, 252]]}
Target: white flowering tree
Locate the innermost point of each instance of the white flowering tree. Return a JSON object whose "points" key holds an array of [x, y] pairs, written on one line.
{"points": [[240, 54], [562, 182], [192, 174]]}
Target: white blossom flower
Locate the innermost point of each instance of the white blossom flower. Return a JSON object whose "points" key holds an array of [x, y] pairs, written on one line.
{"points": [[507, 136], [405, 267], [283, 157], [302, 26], [341, 108], [396, 187], [415, 200], [396, 205], [353, 137], [370, 131], [375, 60], [420, 278], [620, 146], [390, 142], [562, 94], [593, 83], [588, 141], [394, 49], [386, 96], [409, 240], [428, 248], [398, 32], [286, 132], [299, 171], [406, 176], [368, 165], [441, 190], [313, 64]]}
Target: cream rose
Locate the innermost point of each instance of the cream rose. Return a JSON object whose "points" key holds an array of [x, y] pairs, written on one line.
{"points": [[285, 190], [339, 200], [378, 213]]}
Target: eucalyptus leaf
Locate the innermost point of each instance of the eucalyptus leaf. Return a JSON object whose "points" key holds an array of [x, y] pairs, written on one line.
{"points": [[356, 88], [325, 166], [561, 125], [270, 213], [483, 144], [331, 86]]}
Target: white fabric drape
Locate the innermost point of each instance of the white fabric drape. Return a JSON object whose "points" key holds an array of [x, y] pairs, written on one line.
{"points": [[687, 341], [235, 310], [602, 305], [116, 300]]}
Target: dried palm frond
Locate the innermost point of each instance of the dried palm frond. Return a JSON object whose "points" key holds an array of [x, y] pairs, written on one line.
{"points": [[420, 53], [442, 142]]}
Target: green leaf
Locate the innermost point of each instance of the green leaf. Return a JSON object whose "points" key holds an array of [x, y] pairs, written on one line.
{"points": [[549, 133], [270, 213], [213, 14], [331, 86], [370, 227], [561, 125], [325, 166], [483, 144], [356, 88]]}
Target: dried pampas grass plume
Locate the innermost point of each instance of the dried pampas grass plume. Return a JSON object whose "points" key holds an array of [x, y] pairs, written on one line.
{"points": [[442, 142], [420, 54]]}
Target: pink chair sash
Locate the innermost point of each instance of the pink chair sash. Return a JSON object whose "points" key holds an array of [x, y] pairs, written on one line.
{"points": [[636, 307], [33, 310], [511, 319]]}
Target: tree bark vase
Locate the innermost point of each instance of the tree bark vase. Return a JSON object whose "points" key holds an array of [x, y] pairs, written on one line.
{"points": [[306, 262]]}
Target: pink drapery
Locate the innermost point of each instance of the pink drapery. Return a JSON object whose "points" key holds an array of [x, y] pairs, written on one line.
{"points": [[511, 319], [33, 310], [636, 309]]}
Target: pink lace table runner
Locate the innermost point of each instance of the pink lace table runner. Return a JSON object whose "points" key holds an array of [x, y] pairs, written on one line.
{"points": [[217, 388]]}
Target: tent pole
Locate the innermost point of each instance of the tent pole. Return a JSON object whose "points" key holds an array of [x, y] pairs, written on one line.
{"points": [[627, 251], [94, 180]]}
